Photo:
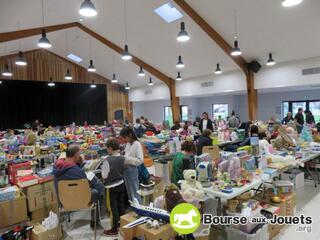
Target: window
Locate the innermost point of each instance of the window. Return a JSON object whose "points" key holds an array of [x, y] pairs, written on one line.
{"points": [[293, 106], [314, 107], [74, 57], [168, 12], [168, 115], [184, 113], [284, 109], [221, 110], [297, 105]]}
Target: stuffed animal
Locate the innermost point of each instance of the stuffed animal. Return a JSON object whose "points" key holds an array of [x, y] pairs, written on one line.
{"points": [[190, 180], [173, 197]]}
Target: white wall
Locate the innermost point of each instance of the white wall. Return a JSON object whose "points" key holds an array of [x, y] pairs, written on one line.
{"points": [[149, 93]]}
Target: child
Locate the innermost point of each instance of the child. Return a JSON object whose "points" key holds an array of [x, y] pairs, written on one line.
{"points": [[112, 172]]}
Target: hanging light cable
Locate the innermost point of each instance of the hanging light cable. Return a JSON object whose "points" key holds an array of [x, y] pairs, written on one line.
{"points": [[68, 75], [87, 9], [43, 41], [91, 67], [125, 54]]}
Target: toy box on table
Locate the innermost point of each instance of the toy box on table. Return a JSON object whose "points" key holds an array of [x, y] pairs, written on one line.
{"points": [[13, 169], [13, 211]]}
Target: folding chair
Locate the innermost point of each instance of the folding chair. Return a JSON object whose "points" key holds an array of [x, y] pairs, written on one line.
{"points": [[75, 195]]}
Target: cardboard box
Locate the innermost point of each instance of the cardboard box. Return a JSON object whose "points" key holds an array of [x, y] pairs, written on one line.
{"points": [[40, 214], [296, 177], [164, 232], [13, 211], [40, 233], [40, 196], [274, 230]]}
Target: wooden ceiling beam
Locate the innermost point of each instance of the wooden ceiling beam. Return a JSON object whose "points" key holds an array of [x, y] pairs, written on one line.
{"points": [[212, 33], [10, 36]]}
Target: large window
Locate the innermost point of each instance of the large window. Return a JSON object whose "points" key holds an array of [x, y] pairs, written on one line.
{"points": [[184, 113], [221, 110], [293, 106], [168, 115]]}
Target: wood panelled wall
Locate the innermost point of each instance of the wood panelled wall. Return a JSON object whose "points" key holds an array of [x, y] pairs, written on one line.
{"points": [[43, 64]]}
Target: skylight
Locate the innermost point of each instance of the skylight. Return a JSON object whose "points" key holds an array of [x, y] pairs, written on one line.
{"points": [[74, 57], [168, 12]]}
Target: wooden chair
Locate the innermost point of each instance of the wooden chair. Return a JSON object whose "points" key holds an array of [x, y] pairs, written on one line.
{"points": [[75, 195]]}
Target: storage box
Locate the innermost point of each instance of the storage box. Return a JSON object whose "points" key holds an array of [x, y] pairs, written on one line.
{"points": [[40, 233], [13, 211], [41, 196], [296, 177], [164, 232], [40, 214], [274, 230]]}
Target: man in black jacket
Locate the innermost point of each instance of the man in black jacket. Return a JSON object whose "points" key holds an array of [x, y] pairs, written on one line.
{"points": [[204, 140], [205, 122]]}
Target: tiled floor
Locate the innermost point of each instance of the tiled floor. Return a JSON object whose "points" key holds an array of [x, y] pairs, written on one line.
{"points": [[308, 203]]}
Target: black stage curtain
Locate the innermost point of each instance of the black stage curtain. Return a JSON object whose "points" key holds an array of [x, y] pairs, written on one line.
{"points": [[25, 101]]}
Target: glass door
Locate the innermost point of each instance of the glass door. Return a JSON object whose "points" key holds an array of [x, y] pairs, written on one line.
{"points": [[297, 105], [314, 107], [184, 112], [168, 115]]}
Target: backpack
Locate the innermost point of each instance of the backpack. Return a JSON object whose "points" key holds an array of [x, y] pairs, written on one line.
{"points": [[144, 175]]}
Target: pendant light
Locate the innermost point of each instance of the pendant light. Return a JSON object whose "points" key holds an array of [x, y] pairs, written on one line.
{"points": [[93, 85], [126, 55], [43, 41], [141, 72], [179, 78], [91, 68], [127, 87], [270, 61], [68, 75], [6, 72], [150, 83], [235, 51], [218, 69], [114, 78], [21, 61], [180, 64], [183, 35], [87, 9], [51, 83], [0, 82], [291, 3]]}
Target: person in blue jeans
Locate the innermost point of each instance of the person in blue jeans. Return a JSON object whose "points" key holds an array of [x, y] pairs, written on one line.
{"points": [[133, 158], [69, 168]]}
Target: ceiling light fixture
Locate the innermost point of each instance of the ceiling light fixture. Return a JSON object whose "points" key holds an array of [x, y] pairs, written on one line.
{"points": [[87, 9], [126, 55], [93, 85], [114, 78], [183, 35], [21, 61], [270, 61], [68, 75], [44, 41], [291, 3], [7, 72], [91, 68], [51, 83], [150, 83], [180, 64], [218, 69], [127, 87], [179, 78], [235, 51], [141, 72], [0, 82]]}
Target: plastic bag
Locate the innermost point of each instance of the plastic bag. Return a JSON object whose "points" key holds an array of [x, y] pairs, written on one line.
{"points": [[50, 222]]}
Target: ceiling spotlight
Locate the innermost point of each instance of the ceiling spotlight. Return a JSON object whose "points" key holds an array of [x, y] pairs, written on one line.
{"points": [[0, 82], [91, 68], [7, 72], [21, 61], [51, 83], [87, 9], [291, 3], [44, 41], [150, 83], [141, 72], [180, 63], [114, 79], [270, 61], [93, 85], [179, 78], [218, 69], [126, 55], [235, 51], [68, 75], [183, 35], [127, 87]]}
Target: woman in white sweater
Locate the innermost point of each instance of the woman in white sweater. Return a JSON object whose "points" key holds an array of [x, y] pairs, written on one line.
{"points": [[133, 158]]}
